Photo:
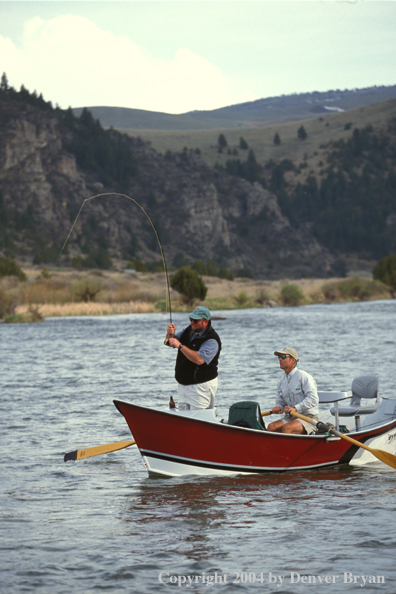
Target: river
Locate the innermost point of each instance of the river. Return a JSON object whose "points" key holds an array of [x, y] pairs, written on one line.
{"points": [[101, 524]]}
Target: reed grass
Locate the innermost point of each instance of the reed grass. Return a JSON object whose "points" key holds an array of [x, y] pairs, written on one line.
{"points": [[55, 294]]}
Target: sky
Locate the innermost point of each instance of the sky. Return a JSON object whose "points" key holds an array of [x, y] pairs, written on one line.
{"points": [[185, 55]]}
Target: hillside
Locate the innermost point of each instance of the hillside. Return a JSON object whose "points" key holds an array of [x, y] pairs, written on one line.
{"points": [[269, 111], [338, 179], [320, 130], [51, 162], [322, 201]]}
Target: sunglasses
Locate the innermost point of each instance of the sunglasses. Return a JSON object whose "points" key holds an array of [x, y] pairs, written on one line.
{"points": [[283, 356], [195, 321]]}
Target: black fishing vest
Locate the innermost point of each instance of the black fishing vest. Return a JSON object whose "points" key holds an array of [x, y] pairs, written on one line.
{"points": [[186, 372]]}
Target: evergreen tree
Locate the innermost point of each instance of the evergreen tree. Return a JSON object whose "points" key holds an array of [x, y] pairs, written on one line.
{"points": [[222, 142], [277, 139], [301, 134], [243, 144], [4, 83]]}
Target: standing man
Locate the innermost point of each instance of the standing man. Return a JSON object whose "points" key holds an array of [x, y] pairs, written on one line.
{"points": [[296, 391], [198, 354]]}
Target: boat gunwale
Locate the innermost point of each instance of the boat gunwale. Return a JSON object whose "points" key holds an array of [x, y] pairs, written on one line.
{"points": [[382, 427]]}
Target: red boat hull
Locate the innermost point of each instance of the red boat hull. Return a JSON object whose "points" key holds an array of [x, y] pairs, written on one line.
{"points": [[169, 441]]}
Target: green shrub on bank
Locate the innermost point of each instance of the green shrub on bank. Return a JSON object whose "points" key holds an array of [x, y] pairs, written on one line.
{"points": [[385, 271], [8, 267], [189, 284], [354, 289], [242, 298], [291, 295], [85, 290]]}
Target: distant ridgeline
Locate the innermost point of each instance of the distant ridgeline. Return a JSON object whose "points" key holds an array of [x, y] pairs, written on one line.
{"points": [[245, 217]]}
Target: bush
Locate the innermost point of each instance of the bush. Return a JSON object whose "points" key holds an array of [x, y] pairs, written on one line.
{"points": [[291, 295], [385, 271], [262, 296], [354, 289], [86, 290], [8, 267], [242, 298], [189, 284]]}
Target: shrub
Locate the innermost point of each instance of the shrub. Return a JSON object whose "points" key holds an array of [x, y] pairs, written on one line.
{"points": [[86, 290], [242, 298], [8, 267], [262, 296], [189, 284], [291, 295], [354, 289], [385, 271]]}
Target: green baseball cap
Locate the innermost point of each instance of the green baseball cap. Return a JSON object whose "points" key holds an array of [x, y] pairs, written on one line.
{"points": [[200, 312]]}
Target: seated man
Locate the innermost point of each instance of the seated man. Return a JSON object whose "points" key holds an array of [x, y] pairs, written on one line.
{"points": [[296, 391]]}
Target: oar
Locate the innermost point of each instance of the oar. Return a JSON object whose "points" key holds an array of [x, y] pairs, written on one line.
{"points": [[97, 450], [266, 413], [385, 457]]}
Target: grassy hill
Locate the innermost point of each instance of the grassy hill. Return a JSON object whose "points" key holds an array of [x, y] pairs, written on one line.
{"points": [[272, 110], [320, 131]]}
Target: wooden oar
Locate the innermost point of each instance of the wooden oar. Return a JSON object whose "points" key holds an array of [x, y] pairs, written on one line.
{"points": [[266, 413], [97, 450], [385, 457]]}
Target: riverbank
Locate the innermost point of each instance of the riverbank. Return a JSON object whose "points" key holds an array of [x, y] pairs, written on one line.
{"points": [[74, 293]]}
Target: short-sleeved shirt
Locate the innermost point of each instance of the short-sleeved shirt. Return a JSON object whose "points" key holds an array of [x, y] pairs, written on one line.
{"points": [[207, 350], [298, 389]]}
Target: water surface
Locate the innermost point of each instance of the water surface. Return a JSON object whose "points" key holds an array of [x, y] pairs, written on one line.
{"points": [[102, 525]]}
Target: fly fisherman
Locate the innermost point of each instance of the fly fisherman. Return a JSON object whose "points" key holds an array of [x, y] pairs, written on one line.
{"points": [[296, 391], [198, 354]]}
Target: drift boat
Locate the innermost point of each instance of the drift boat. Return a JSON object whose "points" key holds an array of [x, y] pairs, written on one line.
{"points": [[177, 443]]}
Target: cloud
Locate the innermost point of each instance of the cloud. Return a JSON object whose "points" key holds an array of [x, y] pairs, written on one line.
{"points": [[73, 62]]}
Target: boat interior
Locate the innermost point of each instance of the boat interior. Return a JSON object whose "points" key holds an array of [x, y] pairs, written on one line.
{"points": [[362, 406]]}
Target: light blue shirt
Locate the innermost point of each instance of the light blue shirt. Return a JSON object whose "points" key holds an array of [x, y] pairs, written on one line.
{"points": [[208, 350], [298, 389]]}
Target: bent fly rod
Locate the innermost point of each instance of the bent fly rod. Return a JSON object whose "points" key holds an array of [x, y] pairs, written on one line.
{"points": [[168, 299]]}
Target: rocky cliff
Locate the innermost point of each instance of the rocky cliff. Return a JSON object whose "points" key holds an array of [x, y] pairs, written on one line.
{"points": [[199, 212]]}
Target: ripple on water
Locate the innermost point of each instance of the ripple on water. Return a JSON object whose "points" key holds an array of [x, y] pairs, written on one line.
{"points": [[101, 523]]}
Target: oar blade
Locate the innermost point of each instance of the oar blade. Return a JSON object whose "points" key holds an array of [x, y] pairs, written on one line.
{"points": [[385, 457], [70, 456], [97, 450]]}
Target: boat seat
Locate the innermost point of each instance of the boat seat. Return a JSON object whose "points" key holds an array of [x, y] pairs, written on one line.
{"points": [[246, 413], [336, 397], [365, 386]]}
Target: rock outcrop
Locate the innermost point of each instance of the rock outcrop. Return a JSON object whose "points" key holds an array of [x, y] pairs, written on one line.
{"points": [[199, 212]]}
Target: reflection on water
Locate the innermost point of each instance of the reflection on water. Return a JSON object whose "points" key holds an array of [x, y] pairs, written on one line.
{"points": [[102, 524]]}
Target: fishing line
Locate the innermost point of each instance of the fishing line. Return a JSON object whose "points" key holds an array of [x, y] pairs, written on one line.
{"points": [[168, 299]]}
